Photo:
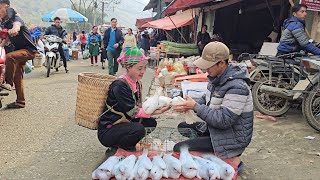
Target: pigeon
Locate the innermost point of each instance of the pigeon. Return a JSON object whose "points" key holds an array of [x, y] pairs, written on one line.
{"points": [[226, 171], [104, 171], [207, 169], [124, 169], [142, 167], [164, 101], [189, 166], [177, 101], [173, 166], [158, 169]]}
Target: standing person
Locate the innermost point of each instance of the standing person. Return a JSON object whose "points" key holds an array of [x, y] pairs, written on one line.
{"points": [[129, 40], [203, 38], [145, 42], [227, 111], [113, 41], [24, 50], [94, 43], [83, 41], [124, 125], [138, 37], [153, 40], [57, 30], [74, 35]]}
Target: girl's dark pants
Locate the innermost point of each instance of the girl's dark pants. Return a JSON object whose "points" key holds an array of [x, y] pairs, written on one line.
{"points": [[125, 135]]}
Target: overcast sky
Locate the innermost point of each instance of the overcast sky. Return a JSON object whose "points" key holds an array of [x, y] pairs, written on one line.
{"points": [[128, 11]]}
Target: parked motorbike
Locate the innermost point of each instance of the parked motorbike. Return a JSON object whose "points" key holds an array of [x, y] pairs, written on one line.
{"points": [[281, 72], [289, 85], [311, 102], [53, 57]]}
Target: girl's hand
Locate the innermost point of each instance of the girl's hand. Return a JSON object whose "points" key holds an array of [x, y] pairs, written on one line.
{"points": [[162, 110]]}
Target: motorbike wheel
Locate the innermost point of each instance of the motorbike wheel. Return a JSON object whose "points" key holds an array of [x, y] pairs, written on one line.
{"points": [[311, 108], [49, 61], [269, 104]]}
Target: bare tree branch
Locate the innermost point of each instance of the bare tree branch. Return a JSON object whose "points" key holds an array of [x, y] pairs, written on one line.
{"points": [[73, 4]]}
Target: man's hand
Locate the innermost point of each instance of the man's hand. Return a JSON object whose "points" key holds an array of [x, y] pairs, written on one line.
{"points": [[15, 30], [189, 104], [162, 110], [199, 43], [116, 45]]}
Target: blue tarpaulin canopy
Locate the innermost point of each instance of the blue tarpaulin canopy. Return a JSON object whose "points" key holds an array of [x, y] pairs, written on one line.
{"points": [[65, 14]]}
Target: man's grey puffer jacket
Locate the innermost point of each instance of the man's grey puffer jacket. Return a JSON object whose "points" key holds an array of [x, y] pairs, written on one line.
{"points": [[229, 114]]}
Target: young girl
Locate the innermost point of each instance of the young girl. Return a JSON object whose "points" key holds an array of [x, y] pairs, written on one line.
{"points": [[94, 43], [123, 126], [83, 41]]}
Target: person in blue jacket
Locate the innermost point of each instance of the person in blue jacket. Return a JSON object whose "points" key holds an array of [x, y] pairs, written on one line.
{"points": [[113, 41], [294, 37], [94, 43]]}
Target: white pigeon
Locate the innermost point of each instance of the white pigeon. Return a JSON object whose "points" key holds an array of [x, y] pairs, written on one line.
{"points": [[151, 104], [158, 169], [105, 169], [123, 170], [226, 171], [176, 101], [164, 101], [100, 175], [142, 167], [189, 166], [207, 169], [173, 166], [189, 116]]}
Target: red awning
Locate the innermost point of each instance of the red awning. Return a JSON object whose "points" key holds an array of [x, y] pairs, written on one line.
{"points": [[178, 5], [141, 22], [179, 20]]}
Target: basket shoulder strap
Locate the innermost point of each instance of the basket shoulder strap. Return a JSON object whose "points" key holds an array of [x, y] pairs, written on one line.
{"points": [[126, 82]]}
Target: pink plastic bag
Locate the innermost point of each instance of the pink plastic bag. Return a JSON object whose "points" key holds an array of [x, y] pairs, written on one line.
{"points": [[2, 55]]}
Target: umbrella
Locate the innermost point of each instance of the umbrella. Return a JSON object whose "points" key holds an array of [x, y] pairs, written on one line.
{"points": [[65, 14]]}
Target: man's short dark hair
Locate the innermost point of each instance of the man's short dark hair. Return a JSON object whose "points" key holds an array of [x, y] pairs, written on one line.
{"points": [[56, 18], [113, 19], [7, 2], [205, 26], [297, 7]]}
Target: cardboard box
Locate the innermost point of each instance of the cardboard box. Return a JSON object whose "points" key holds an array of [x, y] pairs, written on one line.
{"points": [[75, 55]]}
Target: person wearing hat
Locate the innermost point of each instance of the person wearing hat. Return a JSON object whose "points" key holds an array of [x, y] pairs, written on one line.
{"points": [[227, 111], [123, 122], [24, 50]]}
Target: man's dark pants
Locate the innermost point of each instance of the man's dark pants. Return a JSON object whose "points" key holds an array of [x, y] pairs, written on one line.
{"points": [[63, 57], [112, 62]]}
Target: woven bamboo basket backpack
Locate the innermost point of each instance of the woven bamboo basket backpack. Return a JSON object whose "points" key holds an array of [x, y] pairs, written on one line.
{"points": [[91, 96]]}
